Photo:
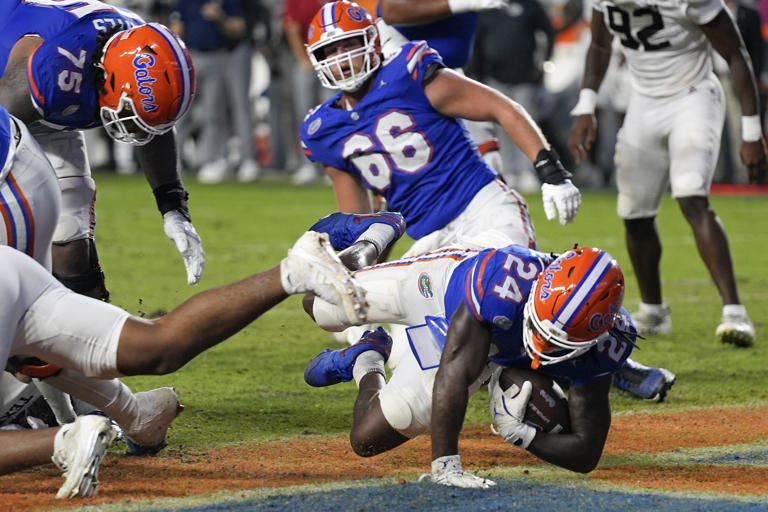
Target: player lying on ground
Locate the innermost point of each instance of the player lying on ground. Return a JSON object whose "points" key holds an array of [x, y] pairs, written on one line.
{"points": [[49, 321], [511, 307], [30, 205]]}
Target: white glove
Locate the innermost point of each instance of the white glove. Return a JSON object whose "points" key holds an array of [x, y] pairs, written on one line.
{"points": [[508, 410], [183, 235], [447, 471], [459, 6], [564, 198]]}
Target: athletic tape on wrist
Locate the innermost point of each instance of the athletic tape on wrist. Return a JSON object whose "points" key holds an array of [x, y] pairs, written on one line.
{"points": [[586, 104], [751, 130]]}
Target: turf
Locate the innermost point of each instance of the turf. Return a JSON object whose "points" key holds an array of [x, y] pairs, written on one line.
{"points": [[251, 386]]}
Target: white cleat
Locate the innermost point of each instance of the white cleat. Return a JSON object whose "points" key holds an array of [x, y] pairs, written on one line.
{"points": [[652, 321], [157, 410], [78, 450], [313, 266], [736, 330]]}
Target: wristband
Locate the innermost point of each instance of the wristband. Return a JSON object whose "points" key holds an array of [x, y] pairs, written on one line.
{"points": [[380, 235], [751, 130], [172, 196], [586, 104], [459, 6], [549, 168]]}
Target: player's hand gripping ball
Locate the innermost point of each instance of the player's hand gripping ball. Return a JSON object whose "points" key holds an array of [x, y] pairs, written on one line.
{"points": [[547, 409]]}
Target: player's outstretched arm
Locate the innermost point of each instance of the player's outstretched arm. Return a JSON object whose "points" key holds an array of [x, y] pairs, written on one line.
{"points": [[455, 95], [464, 355], [158, 159], [726, 40], [584, 130]]}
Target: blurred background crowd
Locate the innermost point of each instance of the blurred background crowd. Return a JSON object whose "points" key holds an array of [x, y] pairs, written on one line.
{"points": [[256, 84]]}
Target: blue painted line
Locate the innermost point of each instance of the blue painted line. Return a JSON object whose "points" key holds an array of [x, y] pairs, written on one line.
{"points": [[517, 495]]}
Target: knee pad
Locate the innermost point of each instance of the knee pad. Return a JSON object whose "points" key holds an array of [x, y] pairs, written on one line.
{"points": [[92, 282]]}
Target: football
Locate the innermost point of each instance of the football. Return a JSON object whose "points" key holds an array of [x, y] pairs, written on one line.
{"points": [[548, 406]]}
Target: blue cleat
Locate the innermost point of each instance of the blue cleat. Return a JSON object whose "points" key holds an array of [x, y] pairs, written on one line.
{"points": [[644, 382], [333, 366]]}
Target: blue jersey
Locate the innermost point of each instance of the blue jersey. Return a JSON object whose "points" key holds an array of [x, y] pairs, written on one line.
{"points": [[5, 140], [344, 229], [59, 70], [452, 37], [422, 162], [494, 286]]}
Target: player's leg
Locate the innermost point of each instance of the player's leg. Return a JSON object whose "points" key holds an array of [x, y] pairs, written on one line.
{"points": [[401, 291], [21, 449], [101, 340], [642, 163], [75, 260], [144, 416], [693, 147], [31, 200], [76, 448]]}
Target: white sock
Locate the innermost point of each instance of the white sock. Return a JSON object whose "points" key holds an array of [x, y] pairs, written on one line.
{"points": [[734, 310], [368, 362], [653, 309]]}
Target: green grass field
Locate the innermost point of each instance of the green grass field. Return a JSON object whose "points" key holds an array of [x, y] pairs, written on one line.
{"points": [[251, 386]]}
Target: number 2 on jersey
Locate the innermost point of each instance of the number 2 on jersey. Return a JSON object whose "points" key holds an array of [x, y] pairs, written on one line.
{"points": [[510, 288], [619, 22]]}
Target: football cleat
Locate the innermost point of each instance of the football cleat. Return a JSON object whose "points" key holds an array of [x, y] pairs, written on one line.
{"points": [[644, 382], [78, 450], [650, 320], [158, 408], [333, 366], [313, 266], [736, 330]]}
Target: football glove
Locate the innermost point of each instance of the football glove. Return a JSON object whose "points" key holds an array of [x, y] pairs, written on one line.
{"points": [[184, 236], [447, 471], [459, 6], [508, 410], [564, 199]]}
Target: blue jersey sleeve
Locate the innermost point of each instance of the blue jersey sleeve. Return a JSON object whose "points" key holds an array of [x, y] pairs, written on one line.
{"points": [[498, 284], [344, 229], [60, 85], [5, 141]]}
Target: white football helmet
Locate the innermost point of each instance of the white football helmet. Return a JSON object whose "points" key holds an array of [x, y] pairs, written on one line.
{"points": [[336, 22]]}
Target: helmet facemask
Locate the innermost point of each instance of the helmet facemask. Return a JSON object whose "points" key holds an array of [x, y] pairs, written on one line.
{"points": [[125, 125], [354, 79], [545, 343]]}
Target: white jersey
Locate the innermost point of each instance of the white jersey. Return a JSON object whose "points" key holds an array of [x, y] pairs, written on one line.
{"points": [[665, 47]]}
